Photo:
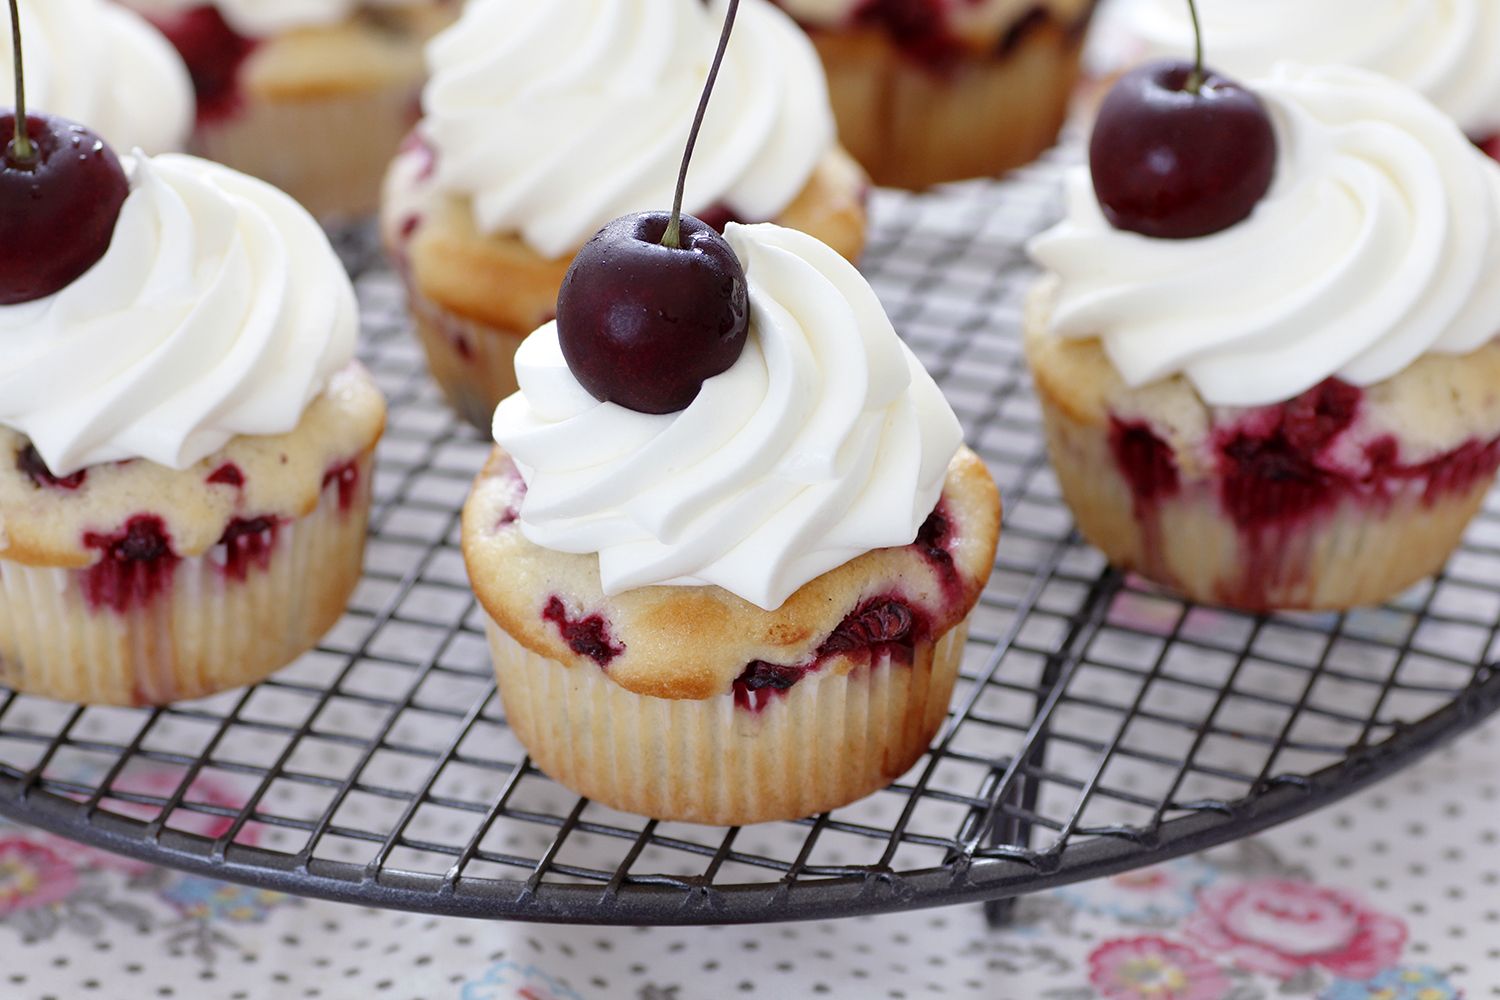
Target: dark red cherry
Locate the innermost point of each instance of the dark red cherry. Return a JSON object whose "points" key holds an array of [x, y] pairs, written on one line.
{"points": [[58, 208], [642, 324], [1176, 162], [213, 52]]}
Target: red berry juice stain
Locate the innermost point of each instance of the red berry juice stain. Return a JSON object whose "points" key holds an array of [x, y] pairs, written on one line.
{"points": [[345, 475], [136, 564], [227, 474], [886, 623], [248, 543]]}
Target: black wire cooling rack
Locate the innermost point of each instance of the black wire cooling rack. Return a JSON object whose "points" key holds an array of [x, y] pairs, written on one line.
{"points": [[1099, 724]]}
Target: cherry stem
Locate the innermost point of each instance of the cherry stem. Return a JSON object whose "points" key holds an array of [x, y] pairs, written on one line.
{"points": [[673, 236], [1196, 78], [21, 147]]}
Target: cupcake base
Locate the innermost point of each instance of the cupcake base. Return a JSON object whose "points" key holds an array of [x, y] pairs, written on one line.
{"points": [[345, 141], [472, 362], [1339, 497], [979, 114], [1360, 550], [172, 629], [843, 732]]}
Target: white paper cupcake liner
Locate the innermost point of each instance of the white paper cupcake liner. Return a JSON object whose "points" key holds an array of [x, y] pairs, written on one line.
{"points": [[205, 631], [328, 152], [839, 734]]}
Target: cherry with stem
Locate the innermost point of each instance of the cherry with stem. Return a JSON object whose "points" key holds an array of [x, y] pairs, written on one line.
{"points": [[656, 303], [61, 191], [1179, 150]]}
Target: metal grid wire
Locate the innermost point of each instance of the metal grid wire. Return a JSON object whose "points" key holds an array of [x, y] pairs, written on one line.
{"points": [[1099, 724]]}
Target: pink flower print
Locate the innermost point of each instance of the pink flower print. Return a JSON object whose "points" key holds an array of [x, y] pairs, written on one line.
{"points": [[161, 783], [32, 876], [1279, 927], [1153, 968]]}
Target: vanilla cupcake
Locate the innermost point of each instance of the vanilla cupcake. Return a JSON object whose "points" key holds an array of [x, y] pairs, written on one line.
{"points": [[92, 61], [1448, 51], [949, 89], [185, 448], [543, 122], [750, 609], [1298, 411], [313, 96]]}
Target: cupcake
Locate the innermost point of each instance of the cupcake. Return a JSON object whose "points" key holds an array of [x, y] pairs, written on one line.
{"points": [[185, 441], [949, 89], [755, 607], [542, 122], [1448, 51], [92, 61], [313, 96], [1293, 405]]}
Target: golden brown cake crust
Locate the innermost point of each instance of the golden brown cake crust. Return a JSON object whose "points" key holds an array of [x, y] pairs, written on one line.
{"points": [[280, 476], [692, 642], [374, 50], [1437, 403], [501, 282], [984, 112]]}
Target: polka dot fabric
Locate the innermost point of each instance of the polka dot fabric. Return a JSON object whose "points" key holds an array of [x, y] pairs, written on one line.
{"points": [[1397, 893]]}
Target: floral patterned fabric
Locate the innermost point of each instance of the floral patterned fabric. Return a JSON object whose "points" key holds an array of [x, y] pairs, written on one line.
{"points": [[1241, 923], [1390, 896]]}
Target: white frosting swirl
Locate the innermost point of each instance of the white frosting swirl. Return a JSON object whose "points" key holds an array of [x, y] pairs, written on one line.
{"points": [[265, 18], [105, 67], [558, 117], [1379, 241], [219, 309], [825, 440], [1444, 48]]}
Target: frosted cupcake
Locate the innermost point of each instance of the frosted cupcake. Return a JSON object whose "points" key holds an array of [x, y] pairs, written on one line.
{"points": [[313, 96], [1297, 409], [753, 608], [545, 121], [185, 442], [92, 61], [1448, 51], [949, 89]]}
